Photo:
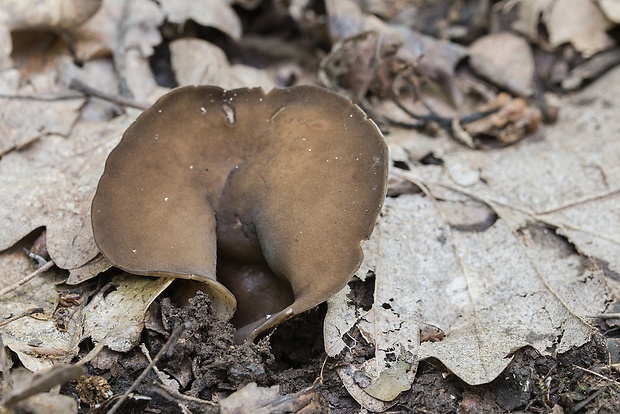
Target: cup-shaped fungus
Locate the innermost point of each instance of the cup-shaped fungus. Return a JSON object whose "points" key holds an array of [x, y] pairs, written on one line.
{"points": [[271, 194]]}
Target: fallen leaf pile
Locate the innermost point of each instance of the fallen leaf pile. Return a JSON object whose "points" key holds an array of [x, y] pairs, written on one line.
{"points": [[501, 229]]}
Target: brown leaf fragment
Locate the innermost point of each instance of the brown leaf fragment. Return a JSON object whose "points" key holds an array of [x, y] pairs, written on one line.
{"points": [[363, 57], [512, 120], [88, 270], [379, 57], [51, 184], [506, 60], [435, 59], [431, 333], [361, 64]]}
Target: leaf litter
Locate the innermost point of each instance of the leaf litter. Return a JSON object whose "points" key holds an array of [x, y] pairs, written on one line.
{"points": [[477, 255]]}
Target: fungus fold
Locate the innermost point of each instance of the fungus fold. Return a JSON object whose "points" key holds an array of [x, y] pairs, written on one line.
{"points": [[264, 197]]}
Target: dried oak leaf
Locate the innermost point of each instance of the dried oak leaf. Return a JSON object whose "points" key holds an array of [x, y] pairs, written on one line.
{"points": [[198, 62], [506, 60], [218, 14], [51, 184], [581, 23], [119, 26], [24, 120], [30, 14], [611, 9]]}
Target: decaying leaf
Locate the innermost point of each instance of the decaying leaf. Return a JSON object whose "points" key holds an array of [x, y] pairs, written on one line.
{"points": [[488, 291], [262, 400], [581, 23], [508, 282], [25, 120], [198, 62], [218, 14], [29, 316], [116, 314], [58, 15], [117, 27], [529, 14], [611, 9], [51, 184], [28, 391], [506, 60]]}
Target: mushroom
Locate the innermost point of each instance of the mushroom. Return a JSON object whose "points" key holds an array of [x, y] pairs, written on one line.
{"points": [[276, 189]]}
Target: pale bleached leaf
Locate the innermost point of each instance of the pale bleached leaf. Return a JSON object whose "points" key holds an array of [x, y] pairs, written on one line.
{"points": [[51, 184]]}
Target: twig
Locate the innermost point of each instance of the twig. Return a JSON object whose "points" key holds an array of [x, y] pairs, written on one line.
{"points": [[21, 315], [605, 316], [90, 91], [587, 401], [171, 341], [589, 371], [6, 370], [28, 278], [44, 98], [207, 407]]}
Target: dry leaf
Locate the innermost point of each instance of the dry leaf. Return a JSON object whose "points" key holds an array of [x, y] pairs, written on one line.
{"points": [[29, 394], [529, 13], [489, 291], [581, 23], [116, 314], [218, 14], [119, 26], [611, 9], [511, 282], [198, 62], [249, 398], [37, 342], [58, 15], [506, 60], [570, 179], [398, 47], [51, 184], [48, 403], [263, 400], [25, 120], [591, 69]]}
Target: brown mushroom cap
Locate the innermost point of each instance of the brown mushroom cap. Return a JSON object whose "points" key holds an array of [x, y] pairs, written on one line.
{"points": [[293, 179]]}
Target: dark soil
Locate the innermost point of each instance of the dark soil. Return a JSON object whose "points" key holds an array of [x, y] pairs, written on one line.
{"points": [[208, 365]]}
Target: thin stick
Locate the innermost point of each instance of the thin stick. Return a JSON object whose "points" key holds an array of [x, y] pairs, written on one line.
{"points": [[27, 312], [588, 400], [119, 100], [605, 316], [28, 278], [171, 341], [44, 98], [589, 371]]}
